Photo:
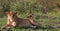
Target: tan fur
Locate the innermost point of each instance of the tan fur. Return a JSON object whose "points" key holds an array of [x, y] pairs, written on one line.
{"points": [[13, 21]]}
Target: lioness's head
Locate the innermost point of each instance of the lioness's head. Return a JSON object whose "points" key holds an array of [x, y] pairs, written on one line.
{"points": [[10, 15]]}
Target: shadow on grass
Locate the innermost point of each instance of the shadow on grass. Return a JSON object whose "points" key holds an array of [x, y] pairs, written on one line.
{"points": [[38, 27]]}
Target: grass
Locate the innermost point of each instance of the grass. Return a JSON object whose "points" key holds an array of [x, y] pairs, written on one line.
{"points": [[51, 20]]}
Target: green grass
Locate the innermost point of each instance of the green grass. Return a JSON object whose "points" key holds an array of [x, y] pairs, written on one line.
{"points": [[53, 18]]}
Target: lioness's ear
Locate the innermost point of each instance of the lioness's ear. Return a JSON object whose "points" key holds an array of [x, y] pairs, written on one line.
{"points": [[7, 12]]}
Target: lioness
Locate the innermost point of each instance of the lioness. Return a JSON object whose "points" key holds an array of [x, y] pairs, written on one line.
{"points": [[14, 21]]}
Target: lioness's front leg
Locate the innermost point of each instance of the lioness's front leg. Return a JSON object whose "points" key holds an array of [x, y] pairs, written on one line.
{"points": [[14, 24], [8, 25]]}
